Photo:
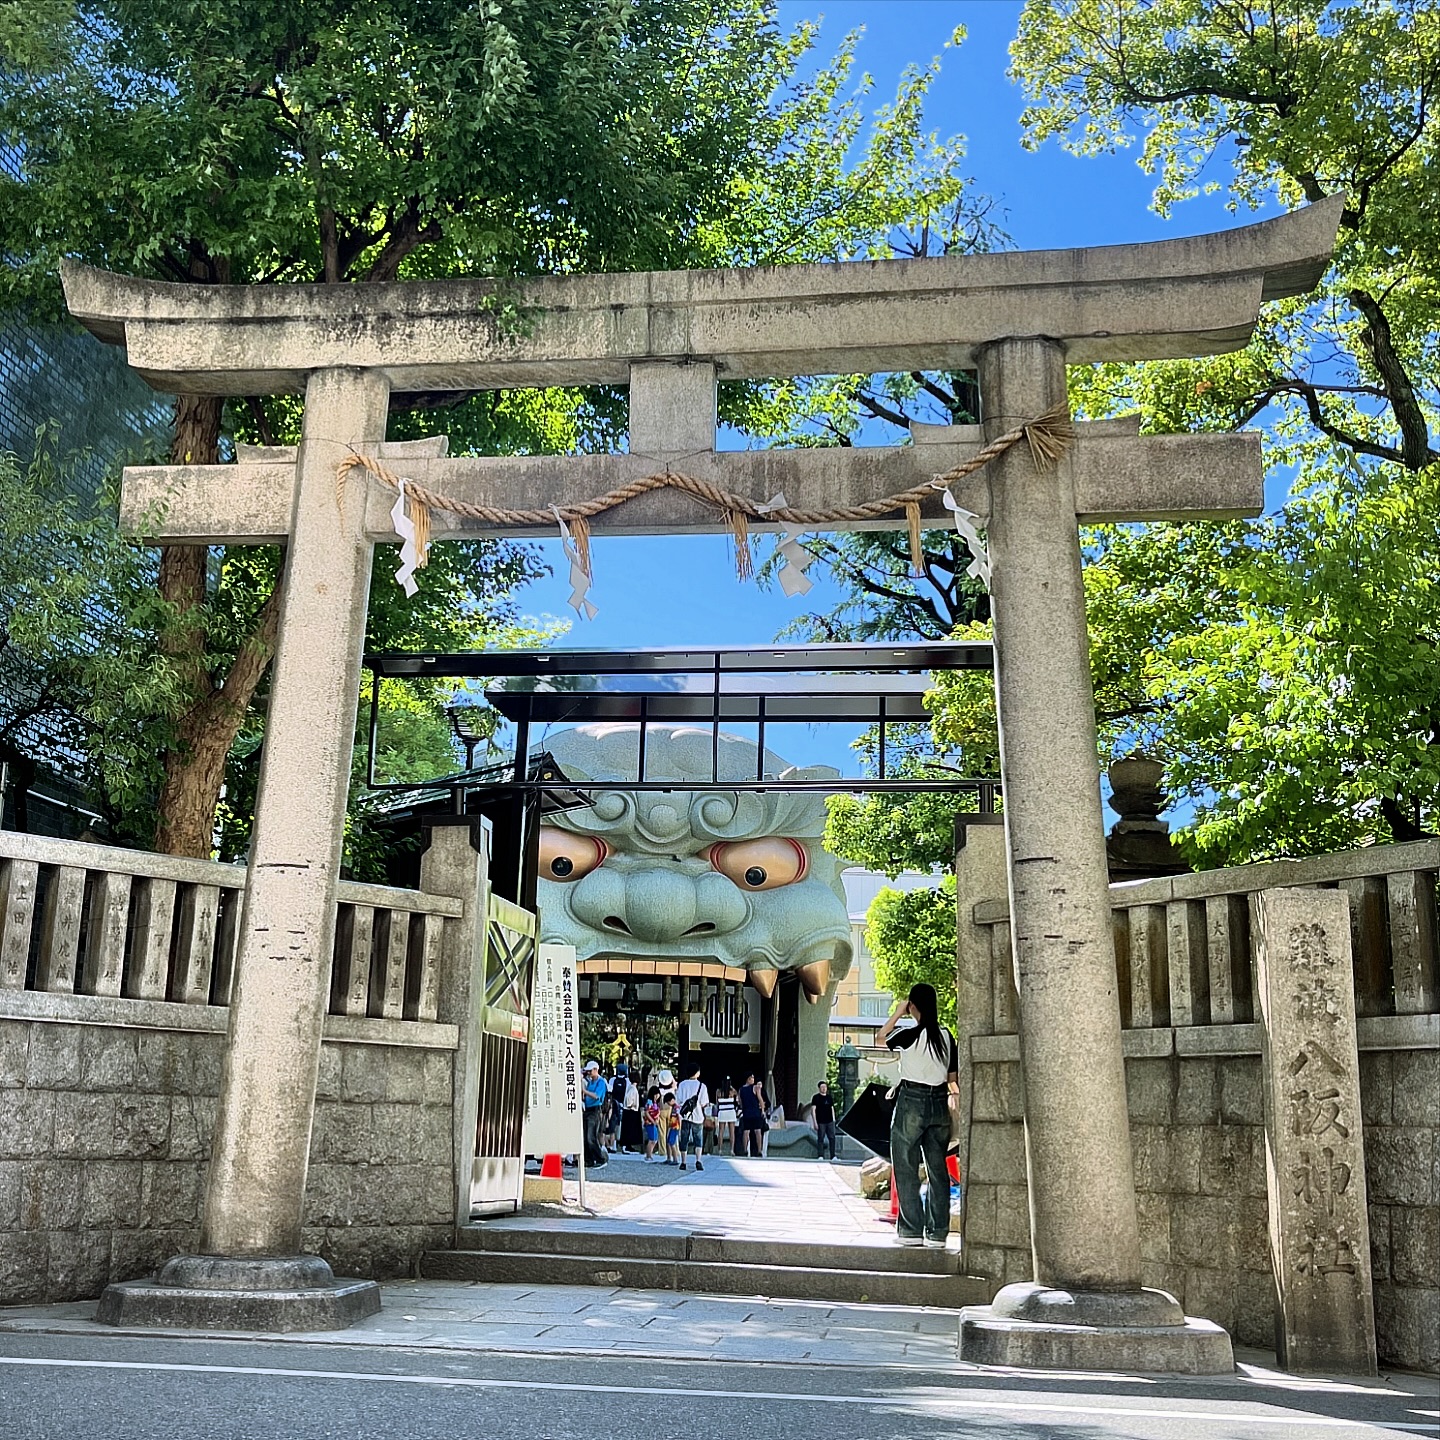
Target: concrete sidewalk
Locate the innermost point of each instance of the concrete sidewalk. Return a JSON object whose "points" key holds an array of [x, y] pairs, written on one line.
{"points": [[577, 1319], [757, 1200], [447, 1318]]}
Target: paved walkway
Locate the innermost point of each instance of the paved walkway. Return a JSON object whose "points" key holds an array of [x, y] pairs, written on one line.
{"points": [[581, 1319], [770, 1200], [799, 1200]]}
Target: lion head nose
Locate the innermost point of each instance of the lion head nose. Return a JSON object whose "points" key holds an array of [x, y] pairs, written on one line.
{"points": [[660, 904]]}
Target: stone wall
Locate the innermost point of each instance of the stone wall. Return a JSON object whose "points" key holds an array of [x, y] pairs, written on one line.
{"points": [[105, 1135], [1400, 1106], [1197, 1129]]}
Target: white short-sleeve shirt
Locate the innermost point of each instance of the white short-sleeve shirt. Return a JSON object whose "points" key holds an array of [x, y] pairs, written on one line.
{"points": [[918, 1061]]}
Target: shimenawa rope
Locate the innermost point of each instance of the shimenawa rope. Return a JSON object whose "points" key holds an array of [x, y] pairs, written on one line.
{"points": [[1048, 437]]}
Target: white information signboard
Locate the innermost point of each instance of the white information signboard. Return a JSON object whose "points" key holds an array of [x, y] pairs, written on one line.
{"points": [[552, 1116]]}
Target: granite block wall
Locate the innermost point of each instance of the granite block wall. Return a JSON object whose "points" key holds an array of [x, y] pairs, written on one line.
{"points": [[105, 1136], [1400, 1109], [1197, 1130]]}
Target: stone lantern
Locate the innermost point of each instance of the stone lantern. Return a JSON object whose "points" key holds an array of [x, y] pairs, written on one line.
{"points": [[1139, 845], [849, 1078]]}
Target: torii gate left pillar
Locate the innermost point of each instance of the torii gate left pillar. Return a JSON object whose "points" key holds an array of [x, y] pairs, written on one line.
{"points": [[251, 1261], [668, 336]]}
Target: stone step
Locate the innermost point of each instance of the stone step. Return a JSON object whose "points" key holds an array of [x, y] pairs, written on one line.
{"points": [[580, 1238], [776, 1282]]}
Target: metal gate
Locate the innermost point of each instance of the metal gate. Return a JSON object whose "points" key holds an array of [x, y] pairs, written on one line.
{"points": [[498, 1172]]}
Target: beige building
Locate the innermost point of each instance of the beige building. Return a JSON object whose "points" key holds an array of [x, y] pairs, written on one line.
{"points": [[861, 1006]]}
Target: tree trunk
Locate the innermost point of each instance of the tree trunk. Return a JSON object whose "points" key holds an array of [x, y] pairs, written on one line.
{"points": [[194, 773], [195, 765]]}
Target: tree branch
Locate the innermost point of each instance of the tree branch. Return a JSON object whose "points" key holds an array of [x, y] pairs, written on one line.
{"points": [[1402, 827], [1310, 395], [881, 411], [406, 237], [1416, 453]]}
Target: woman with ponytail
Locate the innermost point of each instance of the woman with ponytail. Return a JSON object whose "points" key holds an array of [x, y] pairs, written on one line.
{"points": [[920, 1126]]}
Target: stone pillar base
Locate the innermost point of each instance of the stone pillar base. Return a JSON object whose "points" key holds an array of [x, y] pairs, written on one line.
{"points": [[1033, 1327], [277, 1295]]}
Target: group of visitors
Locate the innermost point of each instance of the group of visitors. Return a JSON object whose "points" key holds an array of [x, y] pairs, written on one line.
{"points": [[668, 1123]]}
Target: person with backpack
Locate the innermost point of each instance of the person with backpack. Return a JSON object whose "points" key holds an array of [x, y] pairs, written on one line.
{"points": [[616, 1111], [691, 1099], [920, 1126]]}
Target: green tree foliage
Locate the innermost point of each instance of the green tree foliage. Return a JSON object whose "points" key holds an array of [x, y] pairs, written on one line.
{"points": [[80, 625], [1283, 669], [892, 833], [346, 143], [911, 934], [1286, 671], [415, 743], [1297, 100]]}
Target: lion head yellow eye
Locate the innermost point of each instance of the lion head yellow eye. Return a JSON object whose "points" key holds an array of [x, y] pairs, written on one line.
{"points": [[764, 864], [564, 856]]}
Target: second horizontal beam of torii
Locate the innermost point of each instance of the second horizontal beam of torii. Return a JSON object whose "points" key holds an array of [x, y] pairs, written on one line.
{"points": [[1118, 475]]}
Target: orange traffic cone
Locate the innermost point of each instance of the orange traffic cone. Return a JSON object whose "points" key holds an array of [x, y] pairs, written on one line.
{"points": [[894, 1200], [550, 1167]]}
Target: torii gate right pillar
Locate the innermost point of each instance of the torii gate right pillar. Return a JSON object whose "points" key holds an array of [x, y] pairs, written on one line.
{"points": [[1086, 1308]]}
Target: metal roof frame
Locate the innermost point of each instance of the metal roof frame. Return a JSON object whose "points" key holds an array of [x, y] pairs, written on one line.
{"points": [[868, 684]]}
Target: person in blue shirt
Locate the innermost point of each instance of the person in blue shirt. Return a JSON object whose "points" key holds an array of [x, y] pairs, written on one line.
{"points": [[594, 1098]]}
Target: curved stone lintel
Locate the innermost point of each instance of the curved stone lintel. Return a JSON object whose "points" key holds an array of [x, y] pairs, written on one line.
{"points": [[1185, 297]]}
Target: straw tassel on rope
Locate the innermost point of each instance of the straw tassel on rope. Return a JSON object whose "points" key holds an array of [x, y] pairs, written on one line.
{"points": [[580, 535], [917, 545], [1048, 436], [740, 527], [420, 518]]}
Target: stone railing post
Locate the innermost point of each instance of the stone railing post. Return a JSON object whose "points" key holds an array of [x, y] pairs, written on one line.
{"points": [[457, 863], [979, 875]]}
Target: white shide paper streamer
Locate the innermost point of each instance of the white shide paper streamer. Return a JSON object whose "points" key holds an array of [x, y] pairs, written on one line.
{"points": [[967, 523], [793, 579], [409, 551]]}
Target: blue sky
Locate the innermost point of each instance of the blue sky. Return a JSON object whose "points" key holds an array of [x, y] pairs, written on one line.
{"points": [[655, 591]]}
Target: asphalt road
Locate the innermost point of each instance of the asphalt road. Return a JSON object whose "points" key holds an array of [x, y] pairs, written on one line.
{"points": [[123, 1388]]}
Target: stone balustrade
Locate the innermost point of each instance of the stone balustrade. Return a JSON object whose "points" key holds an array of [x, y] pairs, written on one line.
{"points": [[95, 920], [1200, 1125], [1183, 947], [115, 977]]}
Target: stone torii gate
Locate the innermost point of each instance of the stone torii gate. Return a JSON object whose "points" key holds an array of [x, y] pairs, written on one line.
{"points": [[1019, 318]]}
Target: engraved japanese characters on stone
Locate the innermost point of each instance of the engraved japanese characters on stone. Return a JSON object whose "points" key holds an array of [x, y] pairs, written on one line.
{"points": [[1325, 1252], [1319, 1178]]}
